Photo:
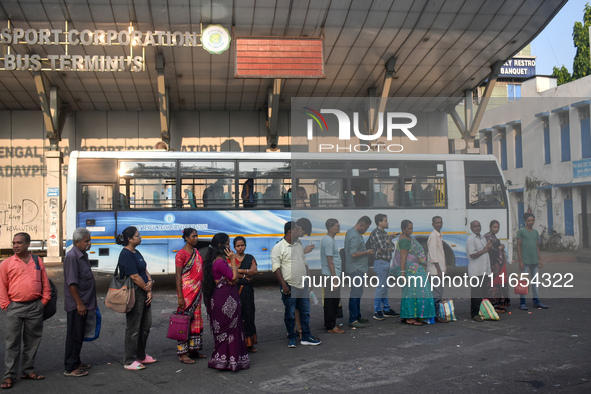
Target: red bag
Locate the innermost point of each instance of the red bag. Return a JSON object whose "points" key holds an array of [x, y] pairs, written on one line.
{"points": [[522, 287], [178, 326]]}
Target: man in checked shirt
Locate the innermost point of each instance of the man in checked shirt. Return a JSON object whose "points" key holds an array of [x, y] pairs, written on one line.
{"points": [[381, 242]]}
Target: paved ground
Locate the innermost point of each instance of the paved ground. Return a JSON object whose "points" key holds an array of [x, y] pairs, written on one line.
{"points": [[542, 351]]}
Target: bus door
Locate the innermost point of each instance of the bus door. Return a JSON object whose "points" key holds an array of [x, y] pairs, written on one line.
{"points": [[486, 198]]}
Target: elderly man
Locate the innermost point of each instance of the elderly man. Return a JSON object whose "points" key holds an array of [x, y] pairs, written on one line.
{"points": [[478, 265], [24, 292], [80, 297]]}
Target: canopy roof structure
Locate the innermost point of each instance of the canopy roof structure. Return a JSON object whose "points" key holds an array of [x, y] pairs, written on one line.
{"points": [[441, 49]]}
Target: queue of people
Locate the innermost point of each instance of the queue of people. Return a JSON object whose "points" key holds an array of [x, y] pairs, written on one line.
{"points": [[222, 278]]}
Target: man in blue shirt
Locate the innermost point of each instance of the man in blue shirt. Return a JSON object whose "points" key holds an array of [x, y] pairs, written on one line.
{"points": [[356, 266]]}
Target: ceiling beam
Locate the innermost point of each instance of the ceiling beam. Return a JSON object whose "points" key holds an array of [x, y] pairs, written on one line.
{"points": [[490, 84], [54, 113], [163, 100], [273, 95]]}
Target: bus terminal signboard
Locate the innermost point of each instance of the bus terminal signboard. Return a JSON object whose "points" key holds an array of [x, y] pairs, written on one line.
{"points": [[135, 40]]}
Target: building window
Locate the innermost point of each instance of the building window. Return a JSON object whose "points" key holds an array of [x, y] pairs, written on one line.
{"points": [[489, 145], [513, 91], [585, 131], [520, 209], [518, 148], [569, 223], [503, 150], [564, 136], [547, 157], [549, 210]]}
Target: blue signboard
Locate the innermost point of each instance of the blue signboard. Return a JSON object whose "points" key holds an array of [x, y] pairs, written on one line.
{"points": [[518, 68], [53, 192], [582, 168]]}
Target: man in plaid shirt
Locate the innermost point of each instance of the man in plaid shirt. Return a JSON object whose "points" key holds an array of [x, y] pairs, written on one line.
{"points": [[381, 242]]}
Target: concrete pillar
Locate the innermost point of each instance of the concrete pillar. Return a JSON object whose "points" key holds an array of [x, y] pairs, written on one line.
{"points": [[53, 208]]}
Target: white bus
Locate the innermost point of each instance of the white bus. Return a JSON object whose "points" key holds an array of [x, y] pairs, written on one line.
{"points": [[161, 193]]}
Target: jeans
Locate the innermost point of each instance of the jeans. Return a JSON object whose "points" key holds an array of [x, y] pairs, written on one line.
{"points": [[532, 269], [380, 303], [355, 297], [139, 321], [299, 300], [74, 339]]}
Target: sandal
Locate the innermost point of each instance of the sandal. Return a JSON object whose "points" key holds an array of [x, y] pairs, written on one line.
{"points": [[252, 349], [186, 360], [77, 373], [84, 366], [134, 366], [197, 355], [32, 376], [148, 360], [412, 322], [6, 383]]}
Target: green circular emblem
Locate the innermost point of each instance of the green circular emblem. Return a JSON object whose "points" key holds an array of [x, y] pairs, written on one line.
{"points": [[215, 39]]}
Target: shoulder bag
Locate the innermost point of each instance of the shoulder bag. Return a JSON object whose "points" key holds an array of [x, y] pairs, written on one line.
{"points": [[121, 295]]}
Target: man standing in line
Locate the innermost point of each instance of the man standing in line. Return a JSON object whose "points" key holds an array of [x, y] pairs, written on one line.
{"points": [[381, 242], [24, 292], [436, 263], [356, 266], [79, 298], [290, 267], [478, 266], [530, 258], [330, 261]]}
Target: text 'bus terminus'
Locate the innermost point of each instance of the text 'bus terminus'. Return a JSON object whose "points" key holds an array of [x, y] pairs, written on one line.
{"points": [[161, 193]]}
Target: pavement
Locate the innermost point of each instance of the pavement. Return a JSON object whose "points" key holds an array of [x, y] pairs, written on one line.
{"points": [[538, 351]]}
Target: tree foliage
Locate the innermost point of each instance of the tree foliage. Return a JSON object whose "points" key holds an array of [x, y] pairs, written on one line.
{"points": [[581, 63], [562, 75]]}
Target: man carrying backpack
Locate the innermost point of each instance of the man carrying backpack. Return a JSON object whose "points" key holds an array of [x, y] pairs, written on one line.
{"points": [[24, 292]]}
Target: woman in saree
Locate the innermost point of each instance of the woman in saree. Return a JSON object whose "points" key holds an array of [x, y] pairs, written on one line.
{"points": [[223, 306], [498, 294], [246, 271], [409, 262], [189, 275]]}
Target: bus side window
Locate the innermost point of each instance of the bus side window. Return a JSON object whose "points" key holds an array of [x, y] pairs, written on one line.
{"points": [[123, 203], [96, 198]]}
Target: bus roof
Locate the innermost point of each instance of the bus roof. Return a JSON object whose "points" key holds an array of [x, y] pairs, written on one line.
{"points": [[164, 155]]}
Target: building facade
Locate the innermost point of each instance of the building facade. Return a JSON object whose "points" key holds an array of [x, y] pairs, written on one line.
{"points": [[543, 144]]}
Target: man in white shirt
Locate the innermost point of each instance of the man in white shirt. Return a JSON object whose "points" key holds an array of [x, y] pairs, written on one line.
{"points": [[290, 267], [478, 265], [436, 263]]}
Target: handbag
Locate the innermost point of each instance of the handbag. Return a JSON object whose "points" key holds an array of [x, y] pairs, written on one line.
{"points": [[178, 326], [522, 287], [92, 329], [487, 310], [121, 295], [446, 311]]}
